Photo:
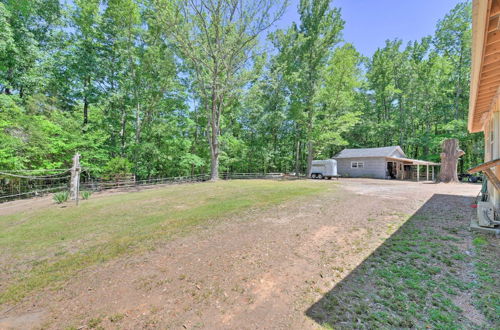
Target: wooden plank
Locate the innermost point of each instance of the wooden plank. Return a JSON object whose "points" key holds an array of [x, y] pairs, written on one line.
{"points": [[493, 58], [490, 85], [490, 80], [495, 8], [493, 23], [483, 166], [489, 67], [485, 100], [492, 48], [484, 103], [491, 73], [492, 178], [487, 90], [481, 109], [486, 96], [493, 36]]}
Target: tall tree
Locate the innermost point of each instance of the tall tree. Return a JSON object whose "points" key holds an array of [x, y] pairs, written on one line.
{"points": [[453, 39], [84, 54], [312, 44], [27, 26], [337, 100], [216, 39]]}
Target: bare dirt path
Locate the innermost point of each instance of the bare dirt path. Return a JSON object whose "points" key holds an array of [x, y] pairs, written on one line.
{"points": [[262, 270]]}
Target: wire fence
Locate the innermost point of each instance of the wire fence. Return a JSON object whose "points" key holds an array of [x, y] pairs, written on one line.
{"points": [[282, 176], [26, 184], [29, 183], [99, 184]]}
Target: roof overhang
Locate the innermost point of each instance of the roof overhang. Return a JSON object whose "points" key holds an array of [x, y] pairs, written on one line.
{"points": [[409, 161], [485, 68]]}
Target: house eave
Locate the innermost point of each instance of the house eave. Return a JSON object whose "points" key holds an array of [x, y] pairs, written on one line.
{"points": [[482, 94]]}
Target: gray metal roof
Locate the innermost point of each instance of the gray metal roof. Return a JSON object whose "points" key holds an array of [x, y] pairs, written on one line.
{"points": [[370, 152]]}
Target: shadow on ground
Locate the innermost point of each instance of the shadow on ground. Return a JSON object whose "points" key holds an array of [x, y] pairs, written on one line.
{"points": [[422, 276]]}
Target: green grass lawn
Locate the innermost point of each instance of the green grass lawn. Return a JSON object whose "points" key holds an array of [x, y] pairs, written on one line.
{"points": [[44, 247]]}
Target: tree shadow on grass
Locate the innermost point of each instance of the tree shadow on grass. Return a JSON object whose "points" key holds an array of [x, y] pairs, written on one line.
{"points": [[419, 277]]}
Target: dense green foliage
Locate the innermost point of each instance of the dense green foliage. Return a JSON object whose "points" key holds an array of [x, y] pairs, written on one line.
{"points": [[173, 90]]}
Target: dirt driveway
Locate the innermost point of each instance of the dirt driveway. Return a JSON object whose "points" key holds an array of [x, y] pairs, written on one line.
{"points": [[264, 269]]}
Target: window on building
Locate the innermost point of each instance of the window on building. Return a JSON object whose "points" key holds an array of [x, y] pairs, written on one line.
{"points": [[357, 164]]}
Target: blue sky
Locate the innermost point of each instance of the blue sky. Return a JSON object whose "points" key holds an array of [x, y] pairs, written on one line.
{"points": [[370, 22]]}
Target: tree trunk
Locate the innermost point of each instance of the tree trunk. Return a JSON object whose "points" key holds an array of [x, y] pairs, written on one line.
{"points": [[297, 158], [214, 140], [214, 156], [86, 102], [449, 160], [310, 154], [85, 111], [123, 124], [457, 93], [138, 124]]}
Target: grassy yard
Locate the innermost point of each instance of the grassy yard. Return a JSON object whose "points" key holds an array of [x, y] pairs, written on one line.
{"points": [[42, 248], [424, 276]]}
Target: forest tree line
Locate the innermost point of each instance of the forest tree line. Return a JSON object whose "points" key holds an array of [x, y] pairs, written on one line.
{"points": [[179, 87]]}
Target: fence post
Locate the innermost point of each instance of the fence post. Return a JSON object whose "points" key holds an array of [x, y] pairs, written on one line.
{"points": [[75, 178]]}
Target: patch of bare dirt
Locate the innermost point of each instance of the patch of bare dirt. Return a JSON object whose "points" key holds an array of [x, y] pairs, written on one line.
{"points": [[260, 270], [36, 203]]}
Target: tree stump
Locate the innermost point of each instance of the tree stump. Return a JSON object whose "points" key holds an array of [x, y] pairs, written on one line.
{"points": [[449, 160]]}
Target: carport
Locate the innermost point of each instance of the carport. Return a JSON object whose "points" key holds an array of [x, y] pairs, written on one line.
{"points": [[411, 169]]}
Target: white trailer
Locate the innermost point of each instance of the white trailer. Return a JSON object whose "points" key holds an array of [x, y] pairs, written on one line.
{"points": [[324, 169]]}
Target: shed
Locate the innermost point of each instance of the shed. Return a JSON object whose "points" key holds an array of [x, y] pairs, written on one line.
{"points": [[383, 163]]}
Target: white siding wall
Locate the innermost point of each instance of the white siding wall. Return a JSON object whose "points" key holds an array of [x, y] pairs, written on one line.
{"points": [[493, 151], [375, 167]]}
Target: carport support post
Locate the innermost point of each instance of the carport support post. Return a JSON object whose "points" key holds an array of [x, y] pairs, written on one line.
{"points": [[433, 173], [418, 172], [427, 172]]}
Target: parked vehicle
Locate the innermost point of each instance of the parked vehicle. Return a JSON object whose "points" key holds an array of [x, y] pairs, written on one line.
{"points": [[465, 177], [324, 169]]}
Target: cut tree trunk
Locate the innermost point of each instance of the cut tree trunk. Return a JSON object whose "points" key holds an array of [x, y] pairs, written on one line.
{"points": [[449, 160]]}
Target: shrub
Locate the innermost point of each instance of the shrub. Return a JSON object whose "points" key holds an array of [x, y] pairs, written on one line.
{"points": [[61, 197], [86, 194], [118, 167]]}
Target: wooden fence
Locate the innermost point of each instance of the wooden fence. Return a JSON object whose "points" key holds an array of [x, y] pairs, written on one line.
{"points": [[20, 187]]}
